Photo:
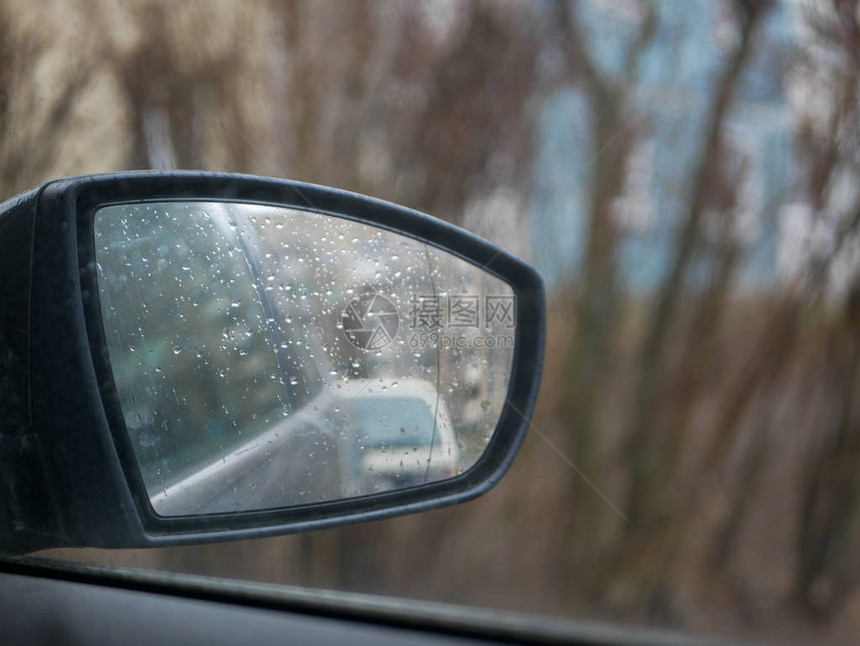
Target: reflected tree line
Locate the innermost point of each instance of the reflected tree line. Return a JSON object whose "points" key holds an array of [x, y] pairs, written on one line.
{"points": [[695, 460]]}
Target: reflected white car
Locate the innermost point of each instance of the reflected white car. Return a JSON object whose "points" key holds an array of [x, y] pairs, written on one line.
{"points": [[394, 433]]}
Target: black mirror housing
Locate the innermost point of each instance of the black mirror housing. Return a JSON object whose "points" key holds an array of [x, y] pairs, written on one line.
{"points": [[67, 473]]}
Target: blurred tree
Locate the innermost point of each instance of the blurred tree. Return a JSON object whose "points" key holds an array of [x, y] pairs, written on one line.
{"points": [[708, 183], [428, 118], [829, 533], [33, 126], [177, 96], [615, 126]]}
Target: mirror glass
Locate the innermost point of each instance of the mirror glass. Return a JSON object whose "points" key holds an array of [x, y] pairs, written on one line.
{"points": [[269, 357]]}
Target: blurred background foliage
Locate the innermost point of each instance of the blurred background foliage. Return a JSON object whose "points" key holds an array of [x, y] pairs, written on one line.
{"points": [[684, 173]]}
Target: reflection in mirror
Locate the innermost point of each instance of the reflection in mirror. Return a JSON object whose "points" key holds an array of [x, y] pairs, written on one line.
{"points": [[269, 357]]}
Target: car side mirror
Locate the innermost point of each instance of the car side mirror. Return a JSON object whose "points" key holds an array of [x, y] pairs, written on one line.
{"points": [[191, 357]]}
